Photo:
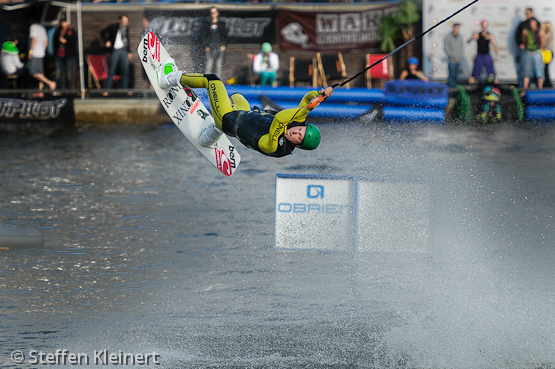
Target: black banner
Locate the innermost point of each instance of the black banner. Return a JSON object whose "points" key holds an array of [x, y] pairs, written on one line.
{"points": [[44, 115], [183, 27]]}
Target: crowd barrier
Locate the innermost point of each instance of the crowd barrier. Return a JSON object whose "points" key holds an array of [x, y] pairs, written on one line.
{"points": [[401, 100], [540, 106]]}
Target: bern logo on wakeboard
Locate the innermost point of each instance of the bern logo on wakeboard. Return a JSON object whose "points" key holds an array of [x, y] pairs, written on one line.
{"points": [[223, 162], [154, 46]]}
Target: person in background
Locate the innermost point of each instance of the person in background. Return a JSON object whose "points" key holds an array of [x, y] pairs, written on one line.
{"points": [[65, 48], [483, 58], [548, 30], [453, 46], [116, 39], [10, 61], [412, 72], [521, 57], [37, 53], [214, 39], [534, 40], [265, 65]]}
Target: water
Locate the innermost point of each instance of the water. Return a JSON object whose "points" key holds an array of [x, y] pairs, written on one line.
{"points": [[148, 249]]}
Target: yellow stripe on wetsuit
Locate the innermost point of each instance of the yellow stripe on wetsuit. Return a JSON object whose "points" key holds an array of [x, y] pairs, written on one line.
{"points": [[221, 105]]}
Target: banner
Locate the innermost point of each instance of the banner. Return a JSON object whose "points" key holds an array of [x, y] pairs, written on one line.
{"points": [[331, 31], [183, 27], [19, 114], [503, 18]]}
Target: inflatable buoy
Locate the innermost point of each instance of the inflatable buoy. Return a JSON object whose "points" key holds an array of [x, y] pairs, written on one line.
{"points": [[546, 54], [18, 237]]}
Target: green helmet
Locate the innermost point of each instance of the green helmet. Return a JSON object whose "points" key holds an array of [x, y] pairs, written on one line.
{"points": [[311, 138]]}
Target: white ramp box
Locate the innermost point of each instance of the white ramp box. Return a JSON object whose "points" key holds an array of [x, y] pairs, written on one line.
{"points": [[394, 216], [314, 213]]}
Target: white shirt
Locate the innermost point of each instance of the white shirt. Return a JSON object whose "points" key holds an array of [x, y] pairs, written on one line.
{"points": [[118, 43], [10, 63], [38, 32], [259, 65]]}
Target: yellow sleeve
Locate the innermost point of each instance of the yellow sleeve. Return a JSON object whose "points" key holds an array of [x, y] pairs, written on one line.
{"points": [[269, 142], [306, 99]]}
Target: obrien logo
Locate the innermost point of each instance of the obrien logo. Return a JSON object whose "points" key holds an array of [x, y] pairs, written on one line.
{"points": [[223, 162], [153, 45]]}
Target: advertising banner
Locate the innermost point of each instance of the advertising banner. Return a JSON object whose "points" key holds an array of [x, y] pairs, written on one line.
{"points": [[45, 114], [331, 31], [503, 17], [182, 27]]}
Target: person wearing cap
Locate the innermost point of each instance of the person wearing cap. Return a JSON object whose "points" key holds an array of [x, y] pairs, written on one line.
{"points": [[269, 132], [483, 58], [454, 48], [265, 65], [10, 60], [412, 72]]}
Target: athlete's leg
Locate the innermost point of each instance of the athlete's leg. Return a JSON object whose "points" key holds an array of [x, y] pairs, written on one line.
{"points": [[217, 93], [239, 102]]}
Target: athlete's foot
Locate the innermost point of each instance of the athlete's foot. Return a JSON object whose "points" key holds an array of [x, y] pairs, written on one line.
{"points": [[165, 73], [209, 136]]}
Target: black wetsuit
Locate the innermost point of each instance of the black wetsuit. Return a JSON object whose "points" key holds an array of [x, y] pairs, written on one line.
{"points": [[249, 126]]}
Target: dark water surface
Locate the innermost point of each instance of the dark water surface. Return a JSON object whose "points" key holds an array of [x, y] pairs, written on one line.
{"points": [[149, 249]]}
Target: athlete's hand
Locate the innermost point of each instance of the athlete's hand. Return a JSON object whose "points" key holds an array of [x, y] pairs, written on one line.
{"points": [[316, 100], [326, 92]]}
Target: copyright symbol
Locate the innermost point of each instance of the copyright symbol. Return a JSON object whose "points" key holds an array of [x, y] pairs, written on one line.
{"points": [[18, 356]]}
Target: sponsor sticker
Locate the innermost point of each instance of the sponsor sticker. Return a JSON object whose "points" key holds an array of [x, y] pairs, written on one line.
{"points": [[195, 105], [154, 46], [223, 162]]}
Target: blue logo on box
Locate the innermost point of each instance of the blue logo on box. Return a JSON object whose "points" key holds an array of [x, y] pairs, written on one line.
{"points": [[315, 192]]}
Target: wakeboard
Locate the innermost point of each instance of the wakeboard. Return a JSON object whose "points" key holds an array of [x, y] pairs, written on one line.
{"points": [[185, 109]]}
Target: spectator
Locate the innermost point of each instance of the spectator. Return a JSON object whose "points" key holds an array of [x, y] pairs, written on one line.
{"points": [[521, 56], [37, 52], [534, 40], [65, 47], [453, 46], [548, 30], [265, 65], [483, 58], [214, 39], [10, 61], [412, 72], [116, 39]]}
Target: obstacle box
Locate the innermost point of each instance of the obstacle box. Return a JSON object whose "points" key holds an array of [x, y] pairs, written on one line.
{"points": [[343, 104], [349, 213]]}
